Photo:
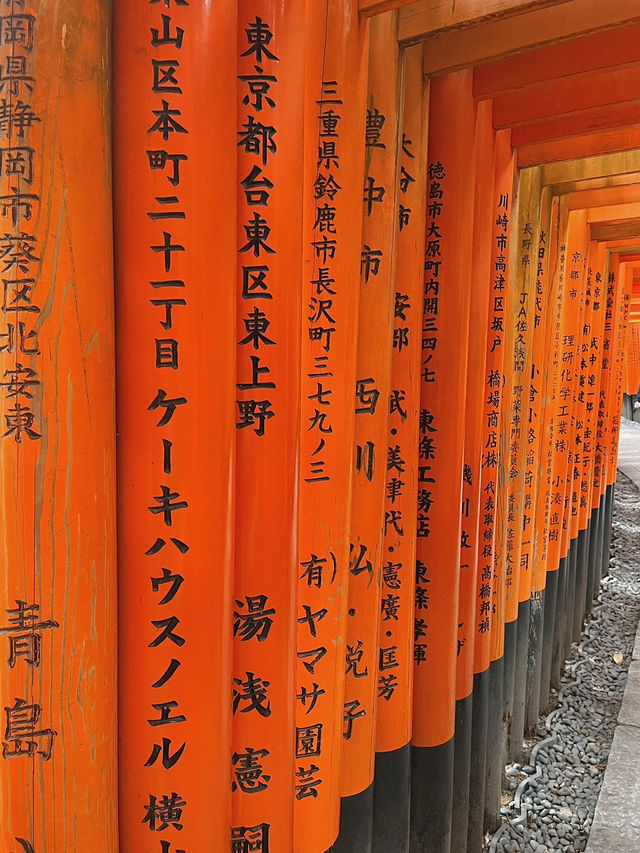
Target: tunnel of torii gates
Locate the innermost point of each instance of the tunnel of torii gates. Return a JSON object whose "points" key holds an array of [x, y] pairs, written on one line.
{"points": [[306, 463]]}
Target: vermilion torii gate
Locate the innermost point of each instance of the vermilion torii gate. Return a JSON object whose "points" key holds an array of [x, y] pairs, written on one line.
{"points": [[316, 321]]}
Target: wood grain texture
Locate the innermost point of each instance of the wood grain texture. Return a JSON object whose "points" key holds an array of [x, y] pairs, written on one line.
{"points": [[57, 504]]}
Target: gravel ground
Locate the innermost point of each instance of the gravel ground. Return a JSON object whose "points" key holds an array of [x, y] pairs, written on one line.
{"points": [[555, 810]]}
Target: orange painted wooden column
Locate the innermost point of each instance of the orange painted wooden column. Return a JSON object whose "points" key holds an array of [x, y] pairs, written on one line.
{"points": [[611, 269], [577, 247], [364, 661], [447, 268], [472, 412], [517, 571], [175, 264], [266, 778], [547, 355], [489, 641], [610, 400], [57, 441], [620, 320], [334, 170], [590, 520], [535, 394], [592, 366], [475, 394], [571, 311], [394, 708], [547, 340]]}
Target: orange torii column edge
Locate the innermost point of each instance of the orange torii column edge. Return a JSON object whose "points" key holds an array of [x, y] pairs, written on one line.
{"points": [[576, 284], [364, 661], [447, 281], [57, 438], [580, 472], [538, 460], [517, 570], [571, 263], [266, 779], [334, 170], [489, 641], [590, 518], [394, 687], [465, 751], [175, 266]]}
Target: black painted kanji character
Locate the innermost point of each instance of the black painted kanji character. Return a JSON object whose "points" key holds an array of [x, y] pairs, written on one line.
{"points": [[165, 718], [259, 36], [167, 633], [168, 577], [167, 504], [311, 696], [386, 686], [256, 622], [163, 812], [314, 655], [257, 138], [249, 772], [308, 785], [167, 403], [166, 123], [252, 695], [168, 758], [352, 711], [354, 658], [311, 618]]}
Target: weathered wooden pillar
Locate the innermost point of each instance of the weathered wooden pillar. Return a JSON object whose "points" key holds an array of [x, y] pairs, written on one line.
{"points": [[571, 258], [471, 410], [364, 660], [546, 567], [582, 448], [489, 643], [533, 553], [398, 625], [271, 62], [517, 568], [175, 229], [57, 438], [447, 269], [334, 168], [589, 509]]}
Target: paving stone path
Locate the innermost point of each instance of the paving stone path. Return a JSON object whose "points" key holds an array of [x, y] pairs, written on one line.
{"points": [[555, 810]]}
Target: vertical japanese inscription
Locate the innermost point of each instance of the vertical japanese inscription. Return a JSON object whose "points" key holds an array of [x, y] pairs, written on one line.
{"points": [[26, 731], [494, 386], [258, 141], [428, 439], [166, 811]]}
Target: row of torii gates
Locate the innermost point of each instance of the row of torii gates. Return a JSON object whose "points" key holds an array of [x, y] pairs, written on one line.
{"points": [[377, 280]]}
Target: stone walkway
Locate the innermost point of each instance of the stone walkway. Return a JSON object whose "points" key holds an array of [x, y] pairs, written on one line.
{"points": [[616, 823]]}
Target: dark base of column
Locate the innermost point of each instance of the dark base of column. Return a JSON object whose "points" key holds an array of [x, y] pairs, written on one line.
{"points": [[570, 598], [356, 823], [392, 801], [582, 560], [509, 657], [594, 526], [559, 625], [461, 774], [550, 598], [431, 798], [495, 746], [534, 661], [520, 680], [478, 767], [606, 532]]}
